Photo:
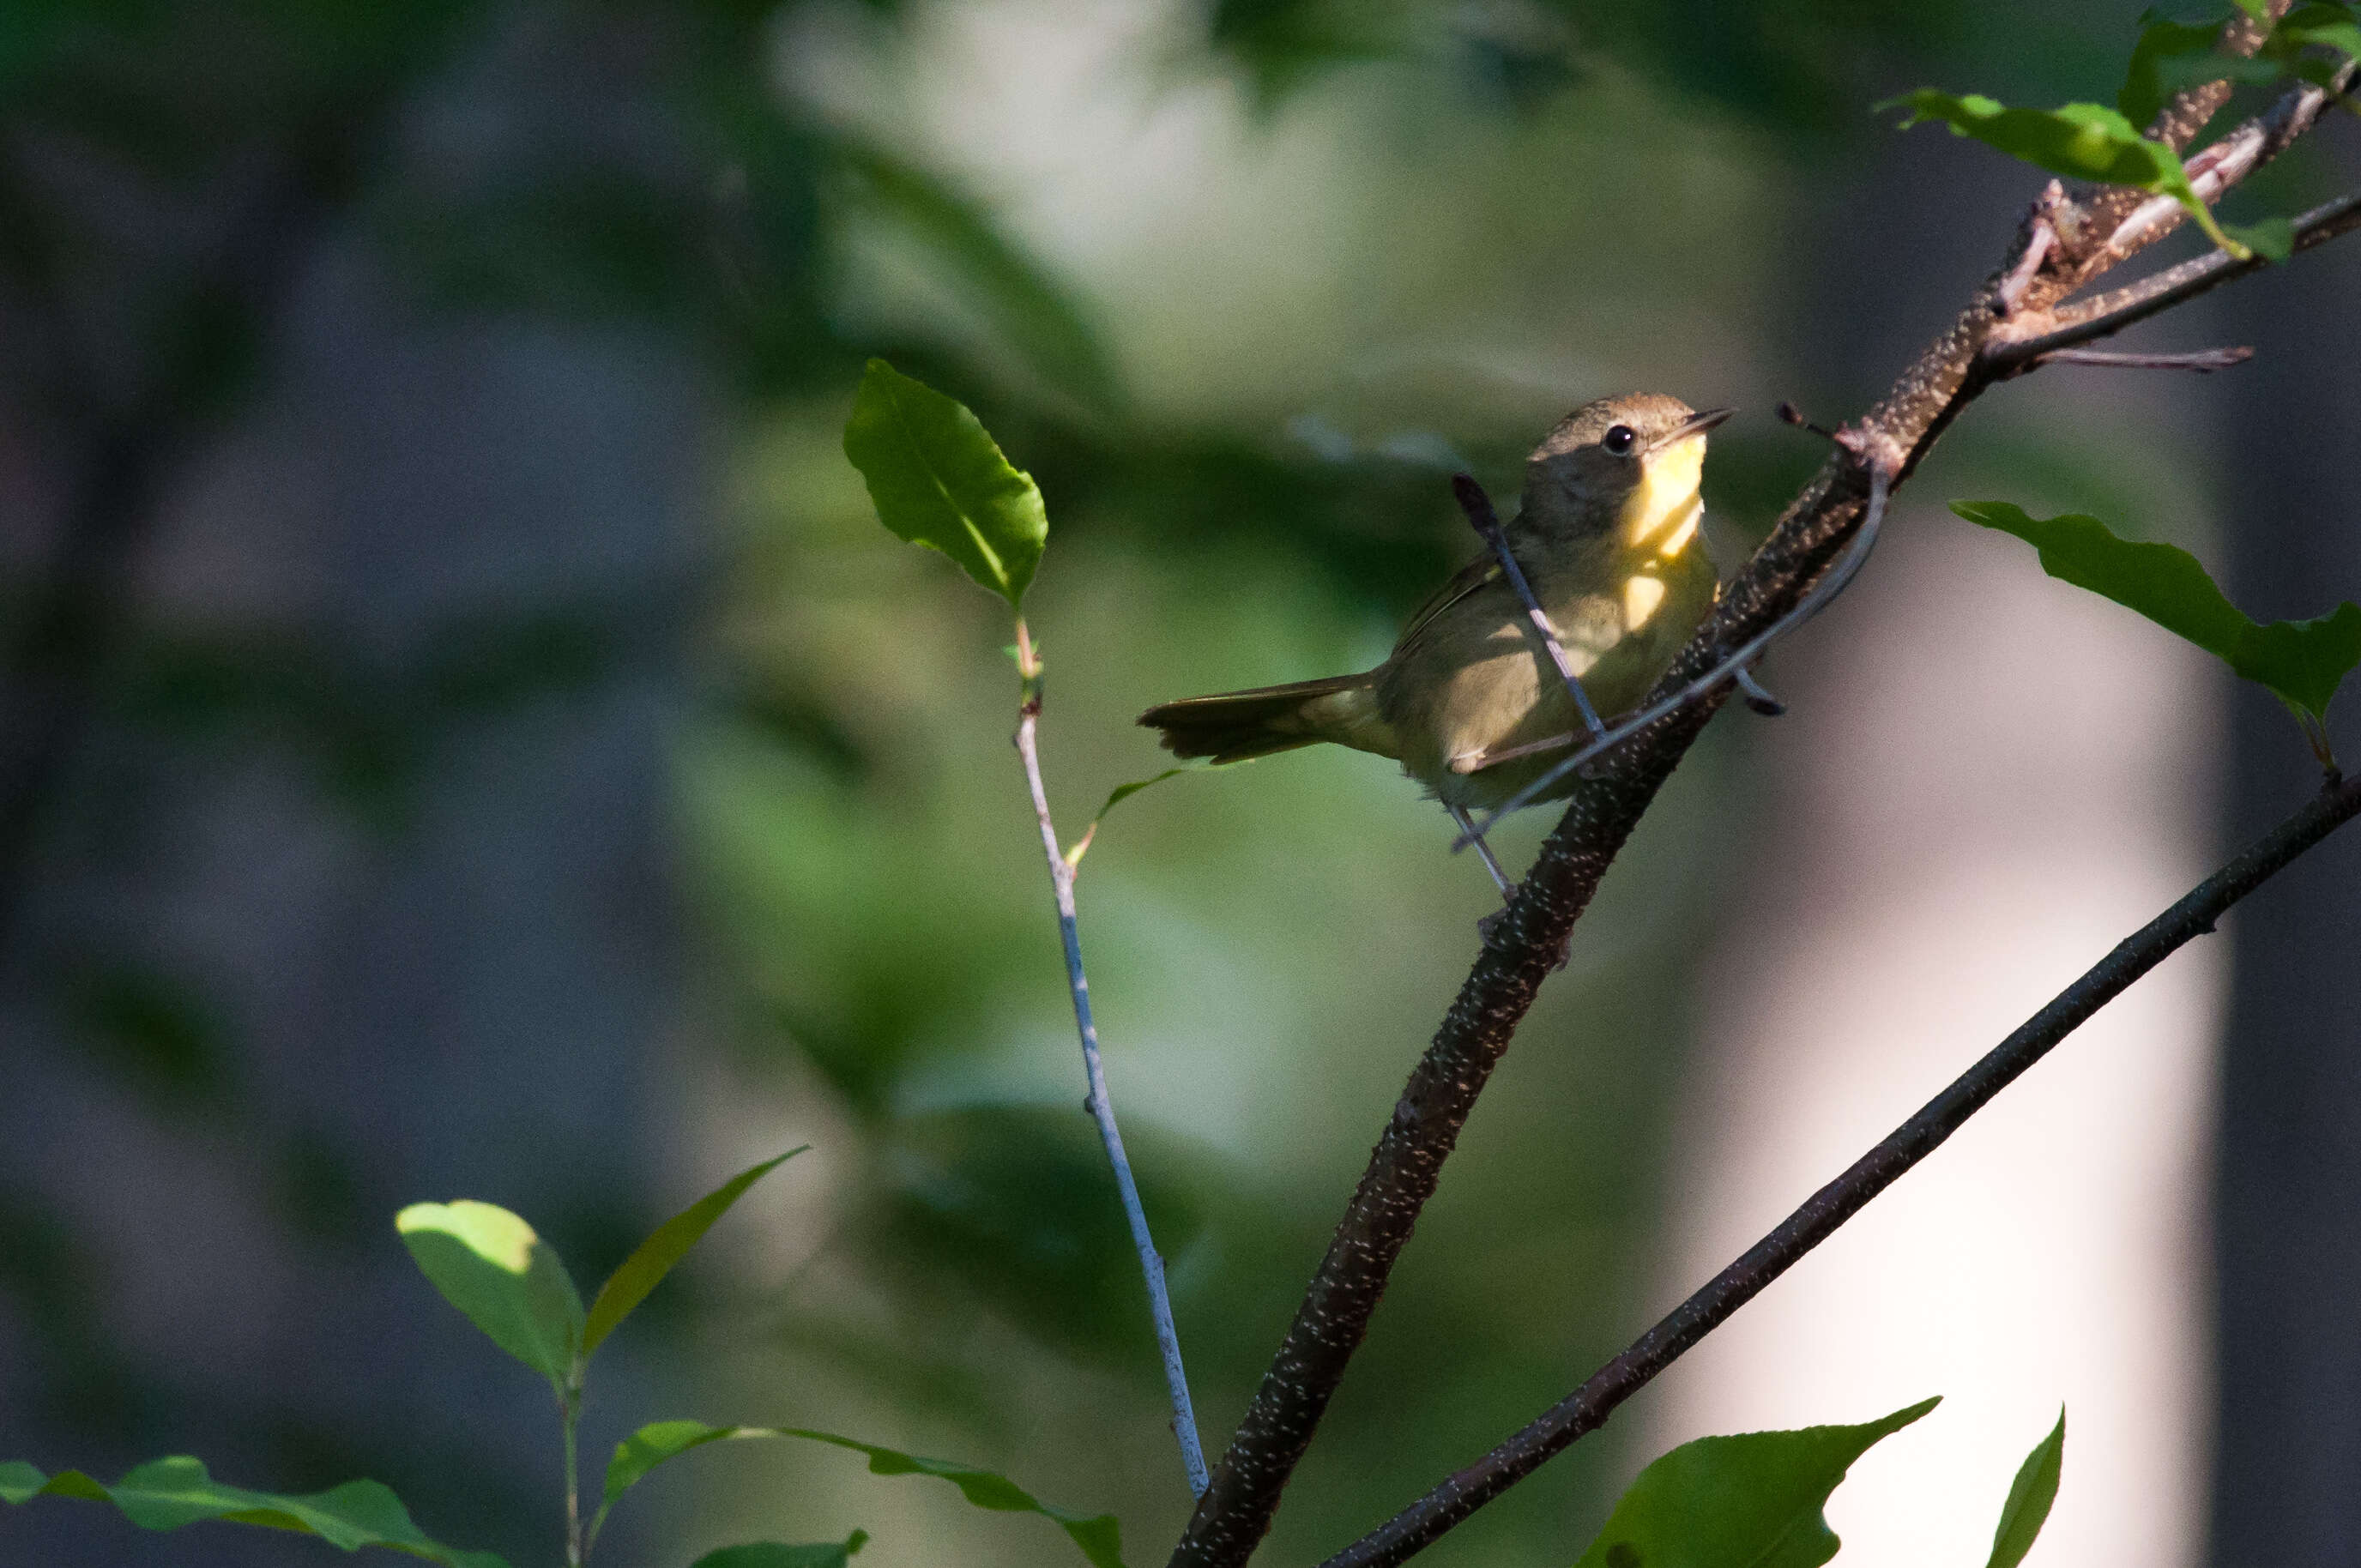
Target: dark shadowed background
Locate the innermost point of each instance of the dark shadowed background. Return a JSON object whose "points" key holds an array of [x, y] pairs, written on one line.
{"points": [[465, 735]]}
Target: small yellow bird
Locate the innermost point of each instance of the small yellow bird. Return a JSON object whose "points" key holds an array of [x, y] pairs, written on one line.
{"points": [[1608, 537]]}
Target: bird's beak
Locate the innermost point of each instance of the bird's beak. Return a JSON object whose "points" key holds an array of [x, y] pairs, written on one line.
{"points": [[1696, 424]]}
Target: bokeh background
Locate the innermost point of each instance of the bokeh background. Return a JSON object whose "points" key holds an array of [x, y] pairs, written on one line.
{"points": [[466, 735]]}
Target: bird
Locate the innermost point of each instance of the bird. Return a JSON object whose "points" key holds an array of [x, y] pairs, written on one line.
{"points": [[1607, 534]]}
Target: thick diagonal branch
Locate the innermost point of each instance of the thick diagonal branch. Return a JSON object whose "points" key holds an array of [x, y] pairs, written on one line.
{"points": [[1588, 1407], [1235, 1510]]}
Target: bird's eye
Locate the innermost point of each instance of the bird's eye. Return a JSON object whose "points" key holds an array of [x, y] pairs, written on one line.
{"points": [[1619, 439]]}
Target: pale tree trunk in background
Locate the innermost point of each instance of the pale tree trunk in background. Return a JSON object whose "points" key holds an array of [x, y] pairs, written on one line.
{"points": [[1987, 779], [2288, 1190], [448, 981]]}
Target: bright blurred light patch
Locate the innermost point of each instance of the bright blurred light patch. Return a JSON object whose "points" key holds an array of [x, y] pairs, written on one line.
{"points": [[1990, 781]]}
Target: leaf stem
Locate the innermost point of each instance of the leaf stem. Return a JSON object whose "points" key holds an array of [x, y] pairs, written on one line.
{"points": [[569, 1411], [1100, 1106]]}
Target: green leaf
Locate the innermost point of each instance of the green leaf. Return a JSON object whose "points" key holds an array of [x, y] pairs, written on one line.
{"points": [[20, 1481], [2172, 57], [1749, 1501], [1098, 1535], [655, 1443], [771, 1555], [2030, 1497], [2081, 141], [2273, 239], [491, 1265], [1122, 792], [939, 480], [2325, 24], [665, 1247], [166, 1494], [2302, 661]]}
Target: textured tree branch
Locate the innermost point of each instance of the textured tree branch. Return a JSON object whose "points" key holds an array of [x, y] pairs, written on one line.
{"points": [[1236, 1510], [1588, 1407]]}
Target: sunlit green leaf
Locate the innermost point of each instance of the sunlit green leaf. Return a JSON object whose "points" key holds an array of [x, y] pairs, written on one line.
{"points": [[939, 480], [2303, 661], [1097, 1535], [2081, 141], [771, 1555], [665, 1247], [1749, 1501], [166, 1494], [2030, 1497], [491, 1265]]}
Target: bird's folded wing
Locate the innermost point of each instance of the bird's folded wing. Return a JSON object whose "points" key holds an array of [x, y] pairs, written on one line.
{"points": [[1466, 580]]}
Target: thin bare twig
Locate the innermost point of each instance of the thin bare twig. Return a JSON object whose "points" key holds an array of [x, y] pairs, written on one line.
{"points": [[1099, 1104], [1486, 524], [1586, 1408], [2204, 361], [2020, 277]]}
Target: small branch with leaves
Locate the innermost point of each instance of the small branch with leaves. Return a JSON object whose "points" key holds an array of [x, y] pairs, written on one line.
{"points": [[939, 479]]}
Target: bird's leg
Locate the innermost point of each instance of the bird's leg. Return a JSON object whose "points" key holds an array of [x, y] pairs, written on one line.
{"points": [[1489, 923], [1499, 878]]}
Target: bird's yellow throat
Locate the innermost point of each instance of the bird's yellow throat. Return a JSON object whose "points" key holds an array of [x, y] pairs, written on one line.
{"points": [[1661, 515], [1658, 519]]}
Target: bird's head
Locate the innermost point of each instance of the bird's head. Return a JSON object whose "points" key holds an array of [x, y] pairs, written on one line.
{"points": [[1628, 463]]}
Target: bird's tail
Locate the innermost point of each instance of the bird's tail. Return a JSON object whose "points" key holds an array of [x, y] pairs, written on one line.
{"points": [[1233, 725]]}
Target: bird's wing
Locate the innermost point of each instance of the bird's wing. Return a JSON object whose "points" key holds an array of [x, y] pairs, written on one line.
{"points": [[1466, 580]]}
